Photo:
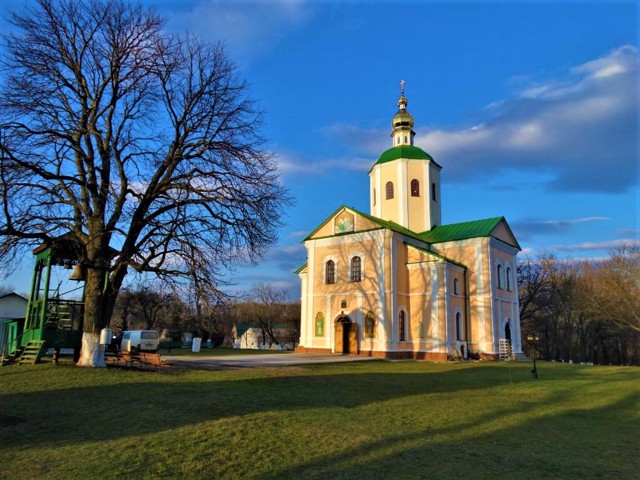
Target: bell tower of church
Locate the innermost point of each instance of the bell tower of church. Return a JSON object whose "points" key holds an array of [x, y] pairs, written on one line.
{"points": [[405, 181]]}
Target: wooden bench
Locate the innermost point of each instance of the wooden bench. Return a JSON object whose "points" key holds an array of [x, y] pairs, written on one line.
{"points": [[152, 360], [121, 358]]}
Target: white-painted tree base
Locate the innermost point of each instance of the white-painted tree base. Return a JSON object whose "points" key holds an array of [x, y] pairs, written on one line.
{"points": [[91, 352]]}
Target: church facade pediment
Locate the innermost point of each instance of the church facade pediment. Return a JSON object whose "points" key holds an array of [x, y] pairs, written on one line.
{"points": [[343, 221]]}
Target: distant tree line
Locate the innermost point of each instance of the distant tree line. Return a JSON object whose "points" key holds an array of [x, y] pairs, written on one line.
{"points": [[265, 307], [582, 310]]}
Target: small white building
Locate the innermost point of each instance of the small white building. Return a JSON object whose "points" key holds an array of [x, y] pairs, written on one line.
{"points": [[249, 335], [13, 310]]}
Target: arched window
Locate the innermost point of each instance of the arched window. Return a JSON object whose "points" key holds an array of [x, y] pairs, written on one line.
{"points": [[508, 279], [369, 325], [319, 325], [459, 327], [455, 286], [415, 188], [330, 272], [356, 269], [374, 196], [433, 192], [499, 272], [389, 189], [401, 327]]}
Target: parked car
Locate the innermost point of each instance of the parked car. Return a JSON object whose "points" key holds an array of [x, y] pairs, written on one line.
{"points": [[135, 341]]}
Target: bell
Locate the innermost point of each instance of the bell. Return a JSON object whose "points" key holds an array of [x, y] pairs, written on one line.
{"points": [[77, 274]]}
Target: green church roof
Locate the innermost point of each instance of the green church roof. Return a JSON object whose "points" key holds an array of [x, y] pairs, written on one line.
{"points": [[403, 151], [463, 230], [438, 234]]}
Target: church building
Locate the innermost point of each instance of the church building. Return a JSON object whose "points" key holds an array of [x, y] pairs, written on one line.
{"points": [[397, 283]]}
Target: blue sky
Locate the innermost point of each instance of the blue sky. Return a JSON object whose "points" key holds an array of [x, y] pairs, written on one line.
{"points": [[530, 107]]}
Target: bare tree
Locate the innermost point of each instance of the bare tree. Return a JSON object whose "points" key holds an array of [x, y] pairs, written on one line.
{"points": [[145, 307], [612, 287], [583, 310], [270, 311], [141, 147]]}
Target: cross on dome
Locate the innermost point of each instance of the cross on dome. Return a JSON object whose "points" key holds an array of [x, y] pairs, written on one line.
{"points": [[402, 133]]}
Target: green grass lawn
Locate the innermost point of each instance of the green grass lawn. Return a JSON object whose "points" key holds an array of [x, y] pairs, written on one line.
{"points": [[364, 420]]}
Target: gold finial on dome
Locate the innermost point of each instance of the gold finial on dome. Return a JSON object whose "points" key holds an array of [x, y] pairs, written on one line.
{"points": [[402, 121], [402, 101]]}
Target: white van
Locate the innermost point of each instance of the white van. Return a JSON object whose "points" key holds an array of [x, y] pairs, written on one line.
{"points": [[140, 340]]}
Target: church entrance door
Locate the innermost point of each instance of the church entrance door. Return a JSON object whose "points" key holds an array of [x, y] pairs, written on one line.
{"points": [[346, 335]]}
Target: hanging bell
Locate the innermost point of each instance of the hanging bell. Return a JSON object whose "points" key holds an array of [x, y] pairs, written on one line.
{"points": [[77, 274]]}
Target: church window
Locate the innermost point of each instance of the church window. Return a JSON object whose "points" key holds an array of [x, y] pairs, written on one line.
{"points": [[319, 325], [459, 329], [499, 273], [374, 197], [508, 279], [330, 272], [369, 326], [356, 269], [389, 188], [455, 286], [406, 139], [415, 188], [433, 192], [402, 335]]}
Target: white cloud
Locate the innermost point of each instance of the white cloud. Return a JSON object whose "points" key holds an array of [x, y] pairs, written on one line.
{"points": [[247, 27], [608, 245], [289, 164], [580, 129], [528, 228]]}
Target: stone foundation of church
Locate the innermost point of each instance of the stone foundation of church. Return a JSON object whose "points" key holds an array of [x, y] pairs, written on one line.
{"points": [[431, 356]]}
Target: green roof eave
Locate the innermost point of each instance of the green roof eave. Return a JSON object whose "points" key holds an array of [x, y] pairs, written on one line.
{"points": [[465, 230], [308, 237], [438, 234], [388, 224], [404, 151], [300, 269]]}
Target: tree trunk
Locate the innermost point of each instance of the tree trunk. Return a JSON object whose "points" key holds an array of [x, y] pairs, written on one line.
{"points": [[91, 352], [97, 312]]}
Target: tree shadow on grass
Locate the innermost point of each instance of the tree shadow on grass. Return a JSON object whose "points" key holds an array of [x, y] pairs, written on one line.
{"points": [[158, 403], [154, 404], [564, 444]]}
